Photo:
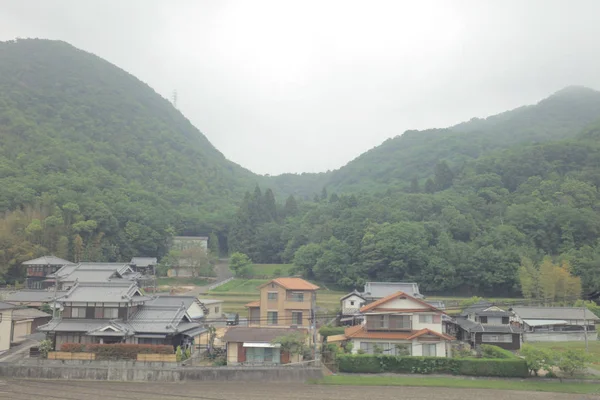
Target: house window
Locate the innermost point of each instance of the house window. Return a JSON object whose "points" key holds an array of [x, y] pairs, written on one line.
{"points": [[268, 355], [382, 321], [496, 338], [425, 318], [78, 312], [483, 320], [352, 302], [296, 296], [296, 317], [272, 296], [387, 348], [429, 350], [272, 318], [505, 321], [216, 310], [111, 313], [98, 313]]}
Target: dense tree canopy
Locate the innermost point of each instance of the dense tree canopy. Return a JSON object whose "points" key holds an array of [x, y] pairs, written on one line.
{"points": [[94, 165]]}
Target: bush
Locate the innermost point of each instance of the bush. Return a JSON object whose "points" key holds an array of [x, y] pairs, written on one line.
{"points": [[45, 347], [572, 361], [126, 351], [328, 330], [368, 363], [72, 347], [491, 351], [515, 367], [538, 359]]}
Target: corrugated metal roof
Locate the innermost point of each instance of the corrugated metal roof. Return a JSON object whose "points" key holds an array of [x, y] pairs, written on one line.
{"points": [[542, 322], [471, 326], [567, 313]]}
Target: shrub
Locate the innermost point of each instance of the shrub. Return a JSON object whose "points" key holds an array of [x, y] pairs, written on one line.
{"points": [[126, 351], [328, 330], [572, 361], [188, 353], [178, 354], [72, 347], [515, 367], [491, 351], [45, 347], [277, 273], [538, 359], [368, 363]]}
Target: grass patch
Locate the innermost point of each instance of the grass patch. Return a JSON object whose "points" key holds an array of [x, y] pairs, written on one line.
{"points": [[527, 385], [164, 281], [268, 270], [593, 345]]}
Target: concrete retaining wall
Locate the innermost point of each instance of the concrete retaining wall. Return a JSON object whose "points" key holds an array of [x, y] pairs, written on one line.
{"points": [[134, 373], [558, 336]]}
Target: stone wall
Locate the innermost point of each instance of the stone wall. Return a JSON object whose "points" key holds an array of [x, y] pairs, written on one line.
{"points": [[134, 372]]}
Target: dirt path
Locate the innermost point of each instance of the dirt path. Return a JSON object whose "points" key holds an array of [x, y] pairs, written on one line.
{"points": [[223, 273], [80, 390]]}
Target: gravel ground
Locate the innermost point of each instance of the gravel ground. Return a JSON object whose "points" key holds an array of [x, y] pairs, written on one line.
{"points": [[94, 390]]}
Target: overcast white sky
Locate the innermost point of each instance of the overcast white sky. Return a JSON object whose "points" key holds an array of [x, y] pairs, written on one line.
{"points": [[306, 86]]}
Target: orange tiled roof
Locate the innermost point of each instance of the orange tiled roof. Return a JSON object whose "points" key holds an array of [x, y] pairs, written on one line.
{"points": [[394, 296], [358, 332], [430, 332], [253, 304], [293, 284]]}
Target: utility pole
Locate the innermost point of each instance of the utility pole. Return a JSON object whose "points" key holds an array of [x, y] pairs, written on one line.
{"points": [[585, 328], [55, 294], [314, 323]]}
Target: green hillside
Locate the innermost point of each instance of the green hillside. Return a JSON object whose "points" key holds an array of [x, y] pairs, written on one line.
{"points": [[415, 153], [77, 130]]}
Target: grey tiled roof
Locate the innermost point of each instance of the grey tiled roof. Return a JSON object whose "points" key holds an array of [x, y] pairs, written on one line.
{"points": [[172, 301], [6, 306], [355, 293], [208, 302], [67, 271], [123, 291], [260, 335], [73, 325], [157, 319], [47, 260], [143, 261], [28, 313], [440, 305], [90, 275], [567, 313], [32, 296], [382, 289]]}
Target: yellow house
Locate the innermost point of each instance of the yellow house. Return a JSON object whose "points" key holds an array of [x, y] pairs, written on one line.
{"points": [[284, 302], [6, 311]]}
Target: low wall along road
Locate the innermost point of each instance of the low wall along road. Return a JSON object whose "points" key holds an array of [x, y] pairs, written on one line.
{"points": [[129, 372]]}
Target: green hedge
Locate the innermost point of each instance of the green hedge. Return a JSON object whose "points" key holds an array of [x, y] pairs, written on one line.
{"points": [[367, 363], [491, 351]]}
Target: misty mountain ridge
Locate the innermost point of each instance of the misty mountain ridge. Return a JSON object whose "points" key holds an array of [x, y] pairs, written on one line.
{"points": [[71, 103]]}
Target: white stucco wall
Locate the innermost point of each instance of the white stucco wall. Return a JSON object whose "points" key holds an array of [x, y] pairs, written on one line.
{"points": [[347, 306]]}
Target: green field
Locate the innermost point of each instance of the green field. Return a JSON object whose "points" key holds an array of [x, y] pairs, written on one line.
{"points": [[529, 385], [238, 292], [181, 281], [268, 270], [594, 349]]}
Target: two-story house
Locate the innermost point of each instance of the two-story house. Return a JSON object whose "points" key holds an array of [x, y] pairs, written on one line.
{"points": [[284, 302], [117, 312], [485, 323], [286, 307], [40, 268], [400, 324]]}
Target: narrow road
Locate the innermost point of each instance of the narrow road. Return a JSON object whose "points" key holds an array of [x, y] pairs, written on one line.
{"points": [[223, 273]]}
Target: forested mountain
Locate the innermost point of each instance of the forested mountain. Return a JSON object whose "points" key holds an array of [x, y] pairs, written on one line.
{"points": [[415, 153], [94, 165], [84, 142], [468, 234]]}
